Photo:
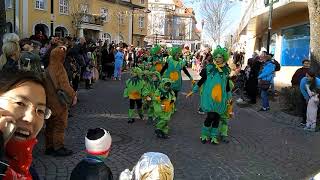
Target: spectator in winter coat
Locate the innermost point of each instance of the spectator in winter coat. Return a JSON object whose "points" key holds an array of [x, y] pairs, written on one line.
{"points": [[98, 143], [118, 64], [9, 59], [265, 77], [252, 71], [110, 62], [314, 83], [29, 60], [300, 73]]}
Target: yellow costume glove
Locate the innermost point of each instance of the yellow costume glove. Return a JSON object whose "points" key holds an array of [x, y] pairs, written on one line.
{"points": [[189, 94], [193, 82]]}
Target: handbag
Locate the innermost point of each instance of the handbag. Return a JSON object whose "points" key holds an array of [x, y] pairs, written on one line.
{"points": [[264, 85], [63, 97]]}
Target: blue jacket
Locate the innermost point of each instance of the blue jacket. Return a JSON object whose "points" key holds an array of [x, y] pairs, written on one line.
{"points": [[267, 72], [303, 89], [118, 59]]}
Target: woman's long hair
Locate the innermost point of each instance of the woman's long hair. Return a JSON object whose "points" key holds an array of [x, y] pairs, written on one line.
{"points": [[10, 47], [313, 81]]}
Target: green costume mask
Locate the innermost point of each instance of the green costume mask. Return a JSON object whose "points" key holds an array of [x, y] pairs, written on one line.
{"points": [[219, 51], [136, 72], [155, 50], [174, 51]]}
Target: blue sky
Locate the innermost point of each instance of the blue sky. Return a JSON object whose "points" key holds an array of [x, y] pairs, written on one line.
{"points": [[234, 14]]}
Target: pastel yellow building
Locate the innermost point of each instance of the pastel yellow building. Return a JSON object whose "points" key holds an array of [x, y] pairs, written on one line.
{"points": [[108, 20]]}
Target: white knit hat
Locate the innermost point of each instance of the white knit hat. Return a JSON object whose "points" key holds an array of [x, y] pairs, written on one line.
{"points": [[100, 145]]}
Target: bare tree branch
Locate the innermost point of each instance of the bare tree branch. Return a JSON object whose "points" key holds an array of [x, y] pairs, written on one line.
{"points": [[215, 13]]}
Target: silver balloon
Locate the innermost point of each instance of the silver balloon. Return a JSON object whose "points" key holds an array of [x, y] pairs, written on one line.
{"points": [[151, 166]]}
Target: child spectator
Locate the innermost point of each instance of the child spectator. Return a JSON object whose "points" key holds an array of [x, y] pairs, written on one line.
{"points": [[240, 85], [98, 142], [312, 109]]}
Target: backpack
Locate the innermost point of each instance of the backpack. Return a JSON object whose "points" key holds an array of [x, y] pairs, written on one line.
{"points": [[277, 64]]}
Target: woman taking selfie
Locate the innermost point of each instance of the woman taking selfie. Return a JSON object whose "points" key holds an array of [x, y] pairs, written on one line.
{"points": [[22, 113]]}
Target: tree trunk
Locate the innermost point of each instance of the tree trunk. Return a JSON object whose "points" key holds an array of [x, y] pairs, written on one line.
{"points": [[314, 15], [2, 21]]}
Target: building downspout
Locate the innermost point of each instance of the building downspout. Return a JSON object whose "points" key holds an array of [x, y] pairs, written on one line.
{"points": [[52, 14], [132, 25], [14, 17]]}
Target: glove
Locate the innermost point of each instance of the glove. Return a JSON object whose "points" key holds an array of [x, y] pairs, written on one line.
{"points": [[193, 82], [189, 94]]}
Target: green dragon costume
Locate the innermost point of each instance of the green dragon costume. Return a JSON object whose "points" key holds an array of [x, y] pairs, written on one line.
{"points": [[214, 96], [133, 91], [152, 82], [173, 67], [164, 100], [156, 60]]}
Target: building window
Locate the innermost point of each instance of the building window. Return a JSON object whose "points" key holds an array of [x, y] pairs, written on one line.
{"points": [[104, 14], [40, 4], [120, 18], [121, 40], [64, 6], [106, 38], [141, 22], [295, 45], [8, 4], [84, 8], [142, 1]]}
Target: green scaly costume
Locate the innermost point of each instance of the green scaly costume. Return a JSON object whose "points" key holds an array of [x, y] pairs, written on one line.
{"points": [[149, 90], [133, 91], [214, 98], [155, 60], [175, 66], [163, 107]]}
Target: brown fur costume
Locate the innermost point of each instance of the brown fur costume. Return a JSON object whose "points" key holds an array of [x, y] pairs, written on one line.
{"points": [[56, 125]]}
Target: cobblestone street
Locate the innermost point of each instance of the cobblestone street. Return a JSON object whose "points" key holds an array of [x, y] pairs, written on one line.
{"points": [[263, 145]]}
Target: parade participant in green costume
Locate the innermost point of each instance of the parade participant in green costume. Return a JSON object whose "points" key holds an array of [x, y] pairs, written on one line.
{"points": [[214, 95], [156, 59], [151, 86], [172, 69], [133, 91], [164, 100]]}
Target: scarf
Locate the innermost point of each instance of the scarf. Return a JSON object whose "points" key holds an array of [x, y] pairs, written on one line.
{"points": [[19, 154]]}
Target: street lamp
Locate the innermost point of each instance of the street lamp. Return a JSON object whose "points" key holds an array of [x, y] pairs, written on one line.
{"points": [[270, 3]]}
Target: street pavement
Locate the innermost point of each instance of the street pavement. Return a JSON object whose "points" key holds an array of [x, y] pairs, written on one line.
{"points": [[263, 145]]}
